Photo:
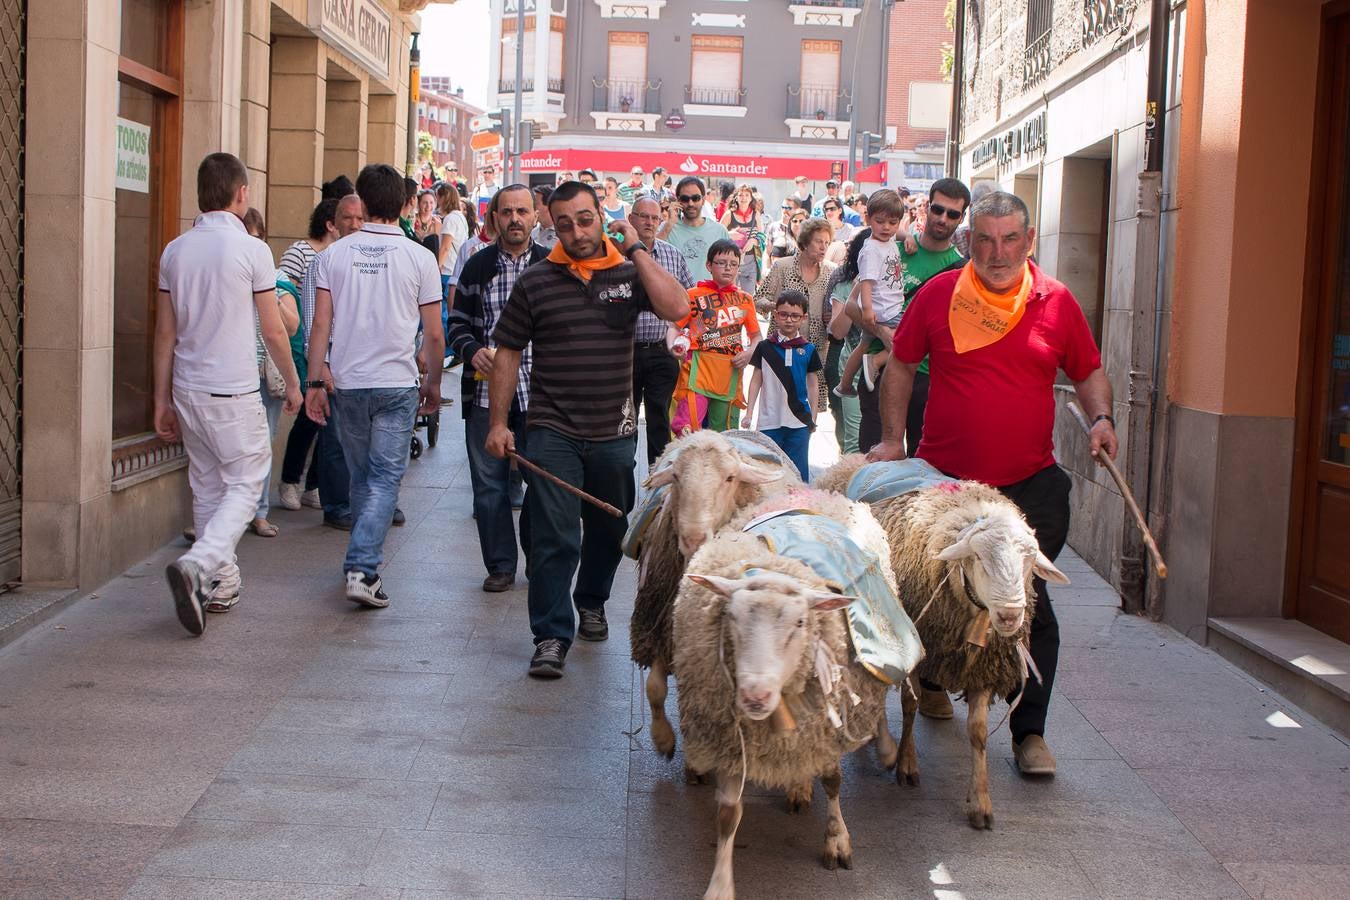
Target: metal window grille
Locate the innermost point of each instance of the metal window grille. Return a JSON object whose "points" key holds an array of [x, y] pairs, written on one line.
{"points": [[12, 71], [1036, 62]]}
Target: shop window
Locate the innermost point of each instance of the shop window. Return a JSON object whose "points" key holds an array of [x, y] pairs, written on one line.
{"points": [[149, 145]]}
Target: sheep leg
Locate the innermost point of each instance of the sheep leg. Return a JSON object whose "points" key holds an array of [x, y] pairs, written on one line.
{"points": [[663, 735], [838, 845], [979, 808], [908, 771], [799, 798], [887, 751], [722, 887]]}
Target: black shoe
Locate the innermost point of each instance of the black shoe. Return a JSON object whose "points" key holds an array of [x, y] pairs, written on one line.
{"points": [[368, 590], [548, 658], [498, 582], [593, 626], [189, 594], [399, 517], [341, 523]]}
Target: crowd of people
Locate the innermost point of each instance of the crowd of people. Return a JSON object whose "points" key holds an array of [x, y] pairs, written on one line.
{"points": [[575, 309]]}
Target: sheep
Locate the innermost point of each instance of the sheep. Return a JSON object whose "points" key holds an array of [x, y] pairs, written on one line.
{"points": [[705, 478], [964, 558], [777, 625]]}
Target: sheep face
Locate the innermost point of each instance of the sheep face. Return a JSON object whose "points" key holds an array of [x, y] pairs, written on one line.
{"points": [[768, 616], [996, 557], [705, 479]]}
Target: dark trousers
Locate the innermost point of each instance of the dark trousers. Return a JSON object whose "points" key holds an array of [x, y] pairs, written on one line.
{"points": [[869, 432], [832, 372], [491, 480], [655, 372], [1044, 500], [298, 446], [568, 537], [334, 479]]}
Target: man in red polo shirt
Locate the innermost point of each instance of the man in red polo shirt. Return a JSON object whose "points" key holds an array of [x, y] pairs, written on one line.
{"points": [[996, 333]]}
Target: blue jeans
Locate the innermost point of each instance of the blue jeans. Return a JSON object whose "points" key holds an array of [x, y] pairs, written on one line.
{"points": [[271, 406], [796, 443], [376, 427], [569, 537], [334, 482], [445, 307], [491, 479]]}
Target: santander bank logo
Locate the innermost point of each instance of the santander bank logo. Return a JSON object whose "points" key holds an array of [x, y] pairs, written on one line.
{"points": [[546, 161], [689, 167]]}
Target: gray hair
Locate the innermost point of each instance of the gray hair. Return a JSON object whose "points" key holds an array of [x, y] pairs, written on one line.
{"points": [[999, 204]]}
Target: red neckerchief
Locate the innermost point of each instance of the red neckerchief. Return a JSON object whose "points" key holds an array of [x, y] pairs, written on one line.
{"points": [[483, 236], [728, 293], [777, 339]]}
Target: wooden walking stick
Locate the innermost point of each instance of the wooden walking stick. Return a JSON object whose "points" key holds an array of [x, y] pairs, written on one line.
{"points": [[571, 489], [1158, 565]]}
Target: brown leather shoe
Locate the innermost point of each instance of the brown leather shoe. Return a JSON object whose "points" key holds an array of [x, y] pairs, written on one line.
{"points": [[935, 704], [499, 582], [1033, 756]]}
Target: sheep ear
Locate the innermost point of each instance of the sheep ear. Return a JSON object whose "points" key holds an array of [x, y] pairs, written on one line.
{"points": [[959, 550], [660, 477], [824, 601], [755, 475], [724, 587], [1046, 569]]}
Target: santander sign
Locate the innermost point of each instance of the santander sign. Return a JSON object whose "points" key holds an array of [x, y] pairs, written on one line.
{"points": [[673, 163]]}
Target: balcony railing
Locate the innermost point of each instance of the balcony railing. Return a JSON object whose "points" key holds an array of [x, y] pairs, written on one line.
{"points": [[508, 85], [709, 96], [1036, 62], [1103, 17], [620, 95], [846, 4], [816, 101], [555, 85]]}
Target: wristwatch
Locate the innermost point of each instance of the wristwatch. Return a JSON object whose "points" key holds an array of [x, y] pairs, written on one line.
{"points": [[315, 384], [637, 245], [1104, 418]]}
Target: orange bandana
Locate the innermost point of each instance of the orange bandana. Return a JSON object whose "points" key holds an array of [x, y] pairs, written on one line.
{"points": [[979, 317], [582, 268]]}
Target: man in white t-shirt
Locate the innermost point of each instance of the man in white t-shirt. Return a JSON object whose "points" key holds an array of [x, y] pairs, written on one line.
{"points": [[372, 289], [213, 280]]}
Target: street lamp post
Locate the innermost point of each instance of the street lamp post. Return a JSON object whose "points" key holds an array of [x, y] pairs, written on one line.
{"points": [[508, 141]]}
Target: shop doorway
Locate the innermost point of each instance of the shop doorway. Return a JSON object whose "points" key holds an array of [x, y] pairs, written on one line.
{"points": [[1320, 542]]}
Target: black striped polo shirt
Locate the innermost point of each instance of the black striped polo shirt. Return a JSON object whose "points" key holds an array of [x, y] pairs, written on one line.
{"points": [[581, 383]]}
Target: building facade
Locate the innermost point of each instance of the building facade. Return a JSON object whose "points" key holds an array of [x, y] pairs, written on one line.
{"points": [[1225, 343], [757, 91], [443, 113], [918, 94], [119, 103]]}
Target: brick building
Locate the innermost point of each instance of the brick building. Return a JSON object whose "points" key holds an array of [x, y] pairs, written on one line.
{"points": [[918, 97], [443, 113]]}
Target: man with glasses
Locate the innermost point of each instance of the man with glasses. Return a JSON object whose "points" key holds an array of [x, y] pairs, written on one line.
{"points": [[655, 370], [832, 193], [694, 233], [779, 234], [576, 311], [948, 201], [633, 188]]}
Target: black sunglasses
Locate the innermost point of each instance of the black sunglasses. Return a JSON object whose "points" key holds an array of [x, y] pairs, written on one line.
{"points": [[689, 198], [938, 209]]}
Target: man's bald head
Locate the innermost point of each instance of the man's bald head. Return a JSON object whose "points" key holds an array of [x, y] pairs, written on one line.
{"points": [[351, 215], [646, 218]]}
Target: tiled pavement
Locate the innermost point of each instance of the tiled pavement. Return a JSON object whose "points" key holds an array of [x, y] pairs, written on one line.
{"points": [[306, 749]]}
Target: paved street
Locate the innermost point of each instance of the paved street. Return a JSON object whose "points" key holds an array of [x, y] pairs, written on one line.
{"points": [[307, 749]]}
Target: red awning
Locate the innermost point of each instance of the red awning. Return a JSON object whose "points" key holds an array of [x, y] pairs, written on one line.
{"points": [[872, 174]]}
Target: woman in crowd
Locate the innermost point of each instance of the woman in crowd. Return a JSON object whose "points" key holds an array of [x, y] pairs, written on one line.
{"points": [[746, 229], [806, 271], [454, 227], [833, 209], [612, 205], [778, 236], [426, 224]]}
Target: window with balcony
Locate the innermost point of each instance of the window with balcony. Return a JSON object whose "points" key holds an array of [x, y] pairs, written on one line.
{"points": [[624, 100], [715, 76], [556, 26], [816, 107], [1036, 61], [507, 81]]}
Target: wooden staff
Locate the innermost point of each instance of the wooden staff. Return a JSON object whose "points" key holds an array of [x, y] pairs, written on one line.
{"points": [[1158, 565], [571, 489]]}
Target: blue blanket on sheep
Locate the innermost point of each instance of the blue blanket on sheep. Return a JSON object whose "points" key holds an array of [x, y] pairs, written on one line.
{"points": [[879, 481], [884, 639]]}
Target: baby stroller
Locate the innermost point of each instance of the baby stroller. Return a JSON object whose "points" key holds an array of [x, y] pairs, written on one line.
{"points": [[431, 421]]}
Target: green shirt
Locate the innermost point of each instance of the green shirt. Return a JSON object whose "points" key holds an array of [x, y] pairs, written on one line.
{"points": [[921, 266]]}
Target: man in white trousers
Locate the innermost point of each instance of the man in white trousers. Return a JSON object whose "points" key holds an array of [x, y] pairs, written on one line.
{"points": [[212, 281]]}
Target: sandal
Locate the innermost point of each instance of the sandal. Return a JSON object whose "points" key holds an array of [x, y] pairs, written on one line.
{"points": [[263, 528]]}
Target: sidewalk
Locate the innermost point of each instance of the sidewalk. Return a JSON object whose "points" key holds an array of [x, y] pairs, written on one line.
{"points": [[304, 748]]}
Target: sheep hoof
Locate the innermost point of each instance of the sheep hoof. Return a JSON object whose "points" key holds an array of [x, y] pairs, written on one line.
{"points": [[797, 802], [981, 820], [693, 777], [907, 779], [663, 738], [836, 859]]}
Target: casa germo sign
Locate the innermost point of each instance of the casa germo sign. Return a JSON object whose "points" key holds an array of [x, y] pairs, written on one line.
{"points": [[1024, 140], [363, 28]]}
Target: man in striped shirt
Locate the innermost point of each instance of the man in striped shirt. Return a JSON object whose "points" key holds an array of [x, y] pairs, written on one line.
{"points": [[576, 310], [655, 370]]}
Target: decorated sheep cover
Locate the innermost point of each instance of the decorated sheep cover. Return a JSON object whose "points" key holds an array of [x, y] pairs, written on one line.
{"points": [[879, 481]]}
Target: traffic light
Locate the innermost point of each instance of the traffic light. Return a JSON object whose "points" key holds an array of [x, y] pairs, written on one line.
{"points": [[498, 121], [524, 136], [871, 148]]}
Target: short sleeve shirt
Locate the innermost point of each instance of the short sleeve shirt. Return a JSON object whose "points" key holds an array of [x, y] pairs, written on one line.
{"points": [[991, 412], [211, 273], [879, 262], [379, 281], [774, 409], [581, 339], [693, 244]]}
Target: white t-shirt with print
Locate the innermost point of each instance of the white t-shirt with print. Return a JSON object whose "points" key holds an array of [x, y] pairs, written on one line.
{"points": [[211, 274], [379, 281], [880, 263]]}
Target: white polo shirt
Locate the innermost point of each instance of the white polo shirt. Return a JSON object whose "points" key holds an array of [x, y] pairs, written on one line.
{"points": [[211, 273], [379, 281]]}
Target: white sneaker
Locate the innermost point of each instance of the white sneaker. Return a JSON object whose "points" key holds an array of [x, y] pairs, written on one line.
{"points": [[367, 590], [869, 377], [310, 498], [290, 495]]}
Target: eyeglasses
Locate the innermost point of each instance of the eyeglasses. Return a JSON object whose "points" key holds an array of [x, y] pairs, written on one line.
{"points": [[564, 226], [786, 208], [690, 198], [788, 316], [830, 208], [725, 263], [939, 210]]}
